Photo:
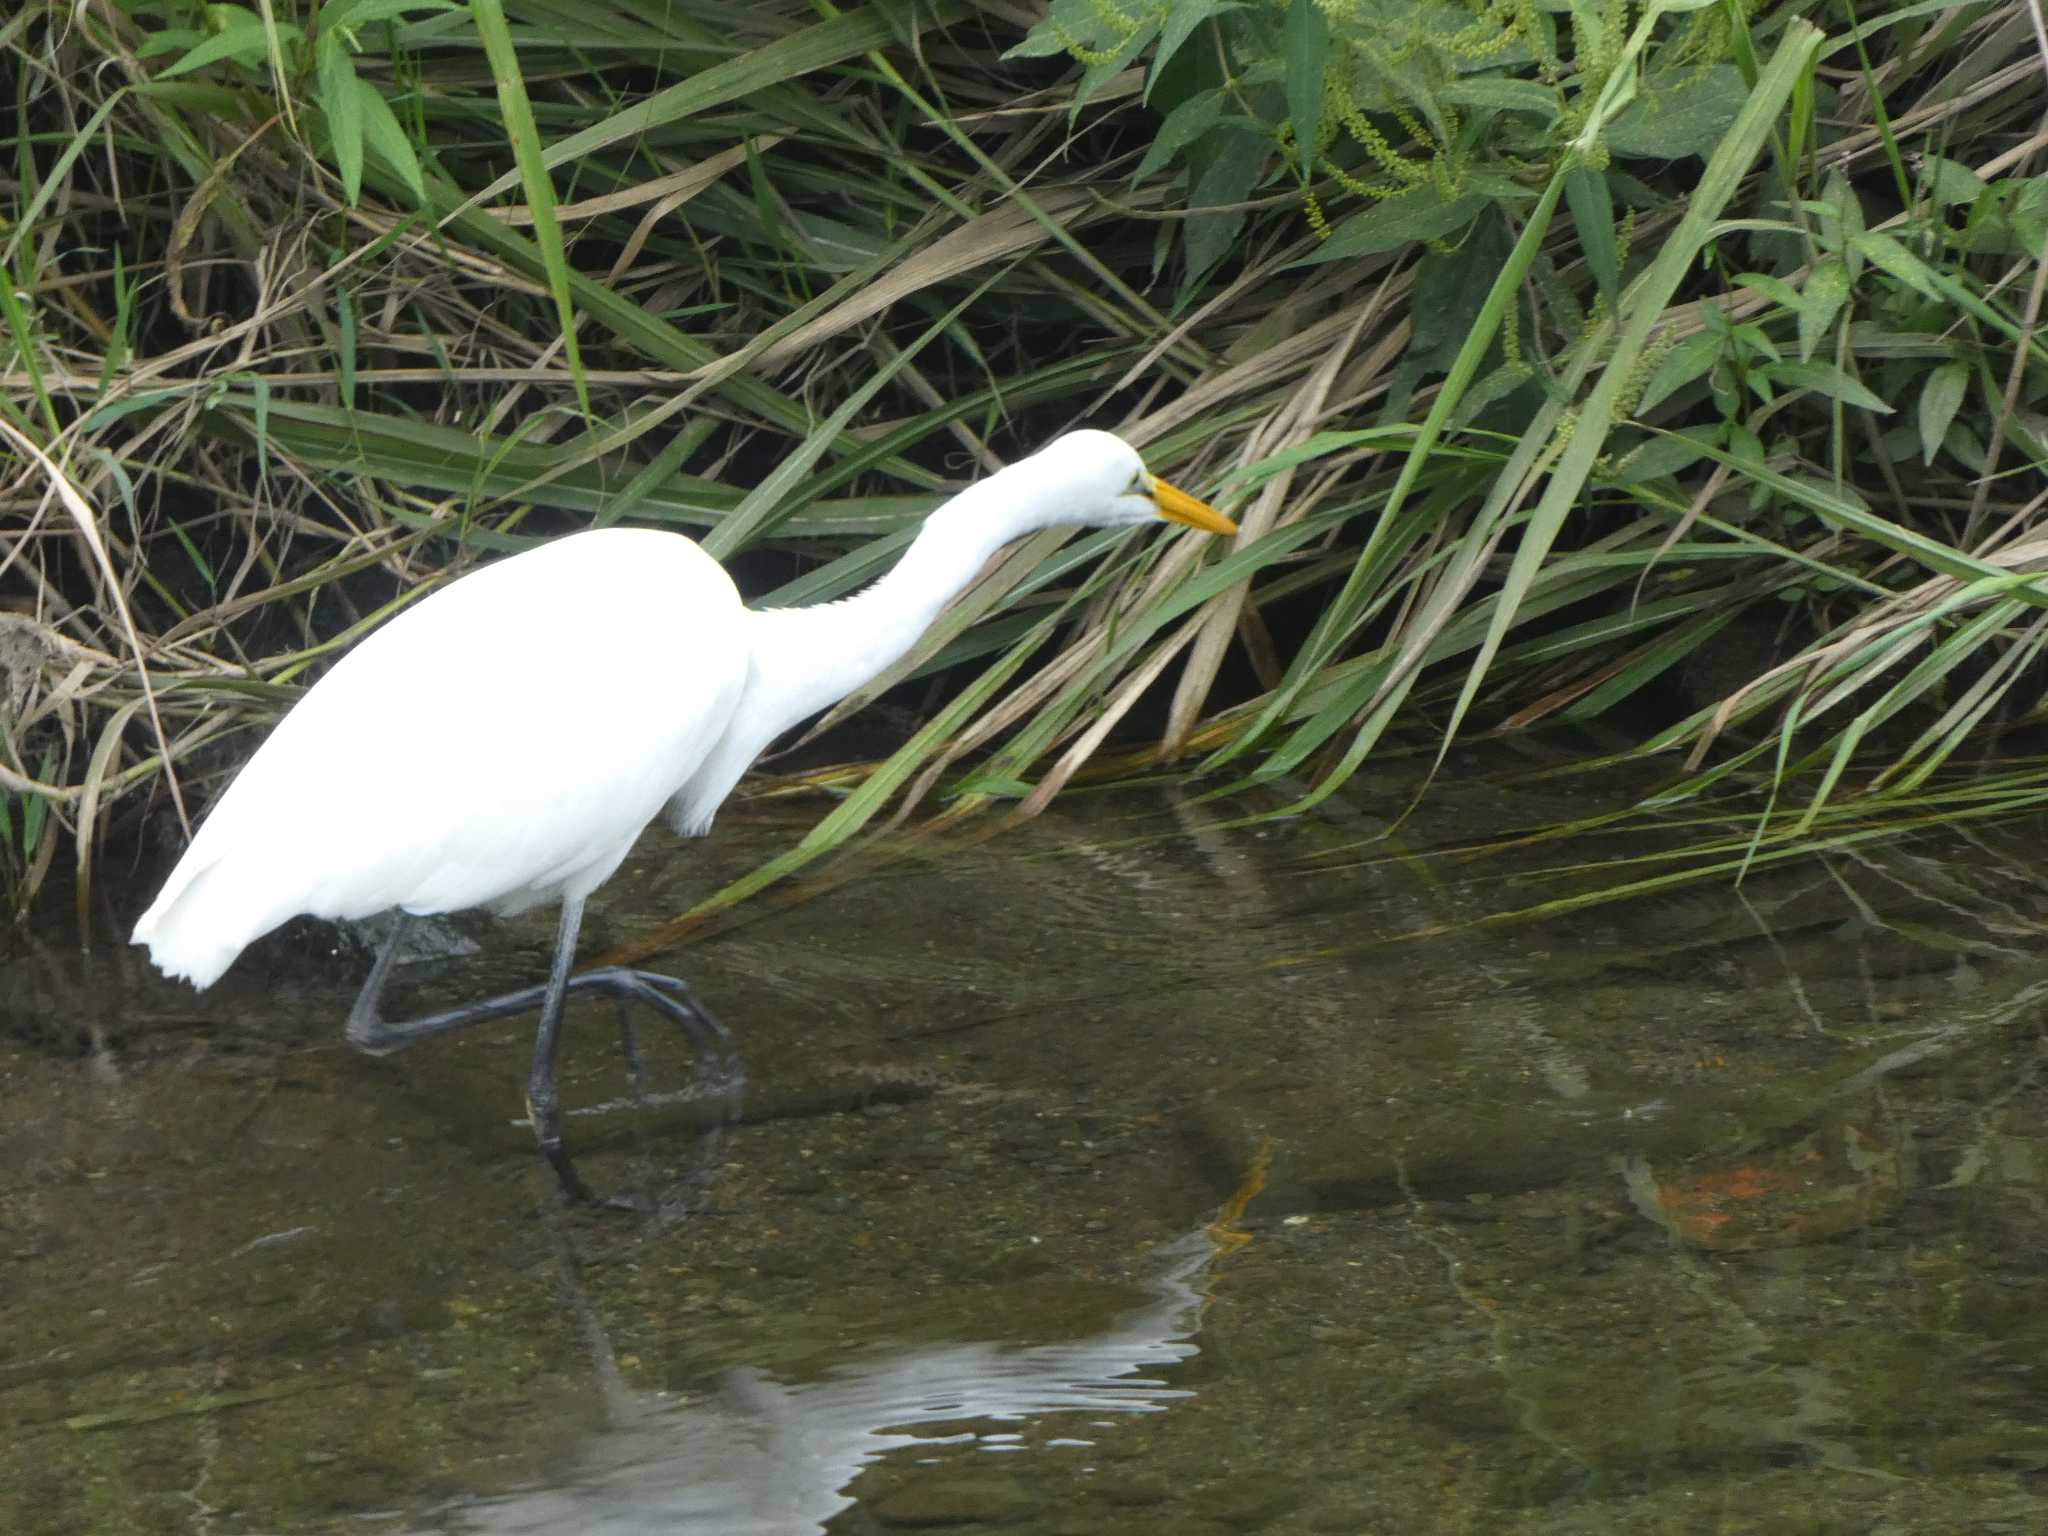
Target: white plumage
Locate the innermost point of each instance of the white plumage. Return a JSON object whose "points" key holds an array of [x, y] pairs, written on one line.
{"points": [[504, 741], [499, 744]]}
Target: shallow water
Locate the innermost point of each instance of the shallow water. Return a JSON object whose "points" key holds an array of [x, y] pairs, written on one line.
{"points": [[1131, 1172]]}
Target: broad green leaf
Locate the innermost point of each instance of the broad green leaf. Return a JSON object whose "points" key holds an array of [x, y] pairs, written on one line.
{"points": [[1755, 343], [225, 17], [1950, 181], [1867, 339], [247, 42], [1842, 219], [1183, 126], [384, 134], [1664, 453], [1827, 286], [1684, 363], [336, 91], [1041, 42], [1881, 250], [1069, 22], [1680, 113], [2006, 218], [1942, 287], [1586, 194], [1965, 445], [1940, 398], [1305, 44], [2028, 214], [1102, 71], [1182, 17], [1542, 102], [1827, 379], [170, 40], [1422, 214], [1776, 289], [1227, 180]]}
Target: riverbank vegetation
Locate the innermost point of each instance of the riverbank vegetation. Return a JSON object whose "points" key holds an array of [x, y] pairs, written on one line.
{"points": [[1675, 370]]}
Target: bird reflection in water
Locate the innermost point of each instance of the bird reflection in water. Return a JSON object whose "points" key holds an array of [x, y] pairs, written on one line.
{"points": [[759, 1457]]}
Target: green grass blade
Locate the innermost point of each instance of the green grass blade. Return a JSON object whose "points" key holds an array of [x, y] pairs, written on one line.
{"points": [[533, 175]]}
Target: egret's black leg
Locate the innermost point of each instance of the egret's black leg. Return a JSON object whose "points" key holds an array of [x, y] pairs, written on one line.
{"points": [[636, 1083], [629, 1047], [369, 1033], [543, 1102], [718, 1066]]}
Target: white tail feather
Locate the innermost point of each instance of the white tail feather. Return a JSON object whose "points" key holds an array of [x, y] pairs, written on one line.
{"points": [[194, 930]]}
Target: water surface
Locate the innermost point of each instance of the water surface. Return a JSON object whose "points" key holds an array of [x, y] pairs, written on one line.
{"points": [[1713, 1212]]}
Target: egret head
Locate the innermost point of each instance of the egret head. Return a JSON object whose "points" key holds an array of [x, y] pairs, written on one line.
{"points": [[1097, 478]]}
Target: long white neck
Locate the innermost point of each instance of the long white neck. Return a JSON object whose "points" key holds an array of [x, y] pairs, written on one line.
{"points": [[807, 659], [803, 660]]}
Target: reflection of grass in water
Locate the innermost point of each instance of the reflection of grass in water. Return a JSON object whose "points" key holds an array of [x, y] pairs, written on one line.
{"points": [[1899, 856]]}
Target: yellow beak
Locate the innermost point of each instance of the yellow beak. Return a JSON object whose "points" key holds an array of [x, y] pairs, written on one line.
{"points": [[1177, 506]]}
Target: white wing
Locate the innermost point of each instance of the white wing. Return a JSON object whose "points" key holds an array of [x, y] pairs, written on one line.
{"points": [[502, 742]]}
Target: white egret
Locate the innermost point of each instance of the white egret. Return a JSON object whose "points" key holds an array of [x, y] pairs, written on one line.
{"points": [[503, 742]]}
